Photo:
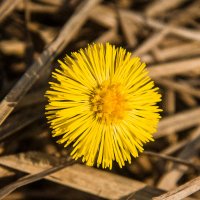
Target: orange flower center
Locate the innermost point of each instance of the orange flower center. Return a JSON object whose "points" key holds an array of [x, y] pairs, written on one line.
{"points": [[108, 102]]}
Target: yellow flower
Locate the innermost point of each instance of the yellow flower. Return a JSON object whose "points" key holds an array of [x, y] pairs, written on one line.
{"points": [[104, 104]]}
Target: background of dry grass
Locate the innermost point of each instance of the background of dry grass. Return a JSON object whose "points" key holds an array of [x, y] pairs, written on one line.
{"points": [[33, 34]]}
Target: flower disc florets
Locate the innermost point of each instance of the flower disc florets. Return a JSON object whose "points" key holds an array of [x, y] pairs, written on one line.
{"points": [[109, 102]]}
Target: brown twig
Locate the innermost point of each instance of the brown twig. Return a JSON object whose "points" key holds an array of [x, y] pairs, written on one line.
{"points": [[107, 17], [174, 68], [186, 88], [178, 122], [182, 191], [177, 51], [159, 7], [195, 134], [20, 120], [12, 47], [187, 153], [38, 8], [179, 31], [32, 178], [173, 159], [6, 7]]}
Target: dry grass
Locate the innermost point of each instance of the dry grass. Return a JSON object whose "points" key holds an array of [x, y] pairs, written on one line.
{"points": [[165, 34]]}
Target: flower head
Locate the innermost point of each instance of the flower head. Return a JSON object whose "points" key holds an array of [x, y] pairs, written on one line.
{"points": [[104, 104]]}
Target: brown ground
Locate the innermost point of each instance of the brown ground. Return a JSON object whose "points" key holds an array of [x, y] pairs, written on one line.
{"points": [[164, 33]]}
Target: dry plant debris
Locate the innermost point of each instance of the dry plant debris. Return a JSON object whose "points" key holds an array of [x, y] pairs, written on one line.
{"points": [[35, 33]]}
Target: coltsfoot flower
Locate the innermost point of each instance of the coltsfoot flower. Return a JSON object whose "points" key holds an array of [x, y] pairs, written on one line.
{"points": [[103, 103]]}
